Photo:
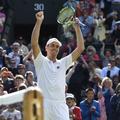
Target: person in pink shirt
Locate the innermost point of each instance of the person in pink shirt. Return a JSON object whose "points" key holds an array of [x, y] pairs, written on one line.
{"points": [[101, 100]]}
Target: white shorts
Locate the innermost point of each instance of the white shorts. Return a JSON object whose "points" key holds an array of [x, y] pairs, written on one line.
{"points": [[55, 110]]}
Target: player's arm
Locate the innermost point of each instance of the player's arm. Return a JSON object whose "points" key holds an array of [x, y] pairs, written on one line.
{"points": [[80, 42], [35, 34]]}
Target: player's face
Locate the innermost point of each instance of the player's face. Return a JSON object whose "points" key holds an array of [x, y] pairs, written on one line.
{"points": [[53, 49]]}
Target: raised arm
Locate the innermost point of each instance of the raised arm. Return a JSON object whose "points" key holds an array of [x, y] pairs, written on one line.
{"points": [[80, 42], [35, 34]]}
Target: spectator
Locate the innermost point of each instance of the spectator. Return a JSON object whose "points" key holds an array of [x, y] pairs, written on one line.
{"points": [[94, 42], [29, 63], [29, 76], [106, 6], [91, 54], [90, 108], [78, 77], [15, 54], [107, 93], [96, 85], [94, 70], [110, 70], [23, 48], [74, 111], [101, 100], [21, 69], [7, 78], [87, 5], [105, 55], [100, 30], [18, 80], [110, 22], [115, 80], [88, 20], [117, 59], [116, 33], [115, 104], [11, 113]]}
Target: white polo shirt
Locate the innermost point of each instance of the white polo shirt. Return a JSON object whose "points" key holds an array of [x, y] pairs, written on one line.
{"points": [[51, 76]]}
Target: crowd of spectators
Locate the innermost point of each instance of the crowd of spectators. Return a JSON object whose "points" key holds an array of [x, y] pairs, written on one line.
{"points": [[92, 82], [99, 65]]}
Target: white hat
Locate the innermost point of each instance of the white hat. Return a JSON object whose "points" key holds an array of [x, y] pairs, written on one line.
{"points": [[70, 95], [51, 40]]}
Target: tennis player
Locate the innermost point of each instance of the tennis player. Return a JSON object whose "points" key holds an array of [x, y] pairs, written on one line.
{"points": [[51, 71]]}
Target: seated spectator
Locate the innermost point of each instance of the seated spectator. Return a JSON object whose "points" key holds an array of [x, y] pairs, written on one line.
{"points": [[23, 48], [74, 111], [90, 108], [11, 113], [7, 62], [7, 78], [29, 76], [110, 70], [21, 69], [3, 69], [91, 54], [18, 81], [15, 54]]}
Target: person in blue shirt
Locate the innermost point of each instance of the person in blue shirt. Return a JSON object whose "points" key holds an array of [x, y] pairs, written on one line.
{"points": [[90, 108]]}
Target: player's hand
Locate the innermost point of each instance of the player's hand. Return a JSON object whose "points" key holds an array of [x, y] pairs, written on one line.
{"points": [[40, 16], [75, 22]]}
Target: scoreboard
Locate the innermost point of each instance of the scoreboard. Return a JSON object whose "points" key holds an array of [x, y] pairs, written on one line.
{"points": [[24, 10]]}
